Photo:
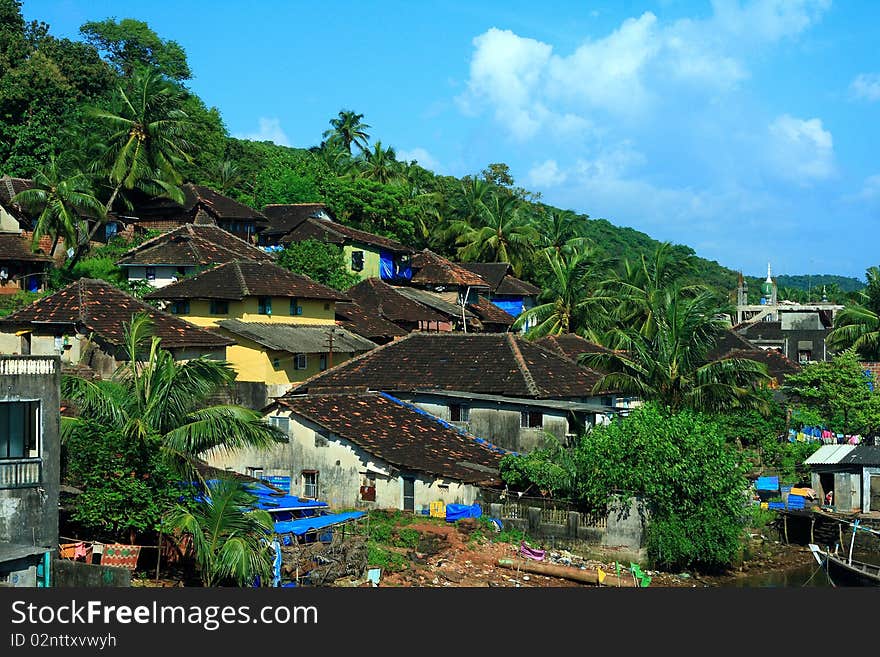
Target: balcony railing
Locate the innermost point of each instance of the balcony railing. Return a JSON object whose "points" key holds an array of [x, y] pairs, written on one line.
{"points": [[20, 473]]}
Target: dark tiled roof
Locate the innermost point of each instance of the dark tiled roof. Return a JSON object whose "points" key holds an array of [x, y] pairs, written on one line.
{"points": [[486, 363], [215, 203], [571, 345], [370, 325], [732, 345], [499, 275], [400, 435], [436, 302], [377, 296], [489, 313], [14, 246], [9, 187], [246, 278], [432, 269], [96, 306], [336, 233], [298, 338], [193, 245], [284, 217]]}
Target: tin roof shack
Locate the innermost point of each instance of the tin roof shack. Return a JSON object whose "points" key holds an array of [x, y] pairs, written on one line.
{"points": [[30, 454], [370, 450], [851, 472]]}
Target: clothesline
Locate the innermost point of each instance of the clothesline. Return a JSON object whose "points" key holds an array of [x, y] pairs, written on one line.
{"points": [[818, 434]]}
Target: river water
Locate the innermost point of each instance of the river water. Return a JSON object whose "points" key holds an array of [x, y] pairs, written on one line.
{"points": [[810, 575]]}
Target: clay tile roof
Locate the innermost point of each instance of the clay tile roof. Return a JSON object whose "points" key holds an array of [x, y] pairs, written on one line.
{"points": [[489, 313], [299, 338], [192, 245], [284, 217], [499, 275], [485, 363], [732, 345], [246, 278], [571, 345], [94, 306], [377, 296], [15, 246], [9, 187], [365, 323], [324, 230], [432, 269], [216, 203], [401, 435]]}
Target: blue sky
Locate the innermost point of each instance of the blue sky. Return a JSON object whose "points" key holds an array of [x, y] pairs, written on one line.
{"points": [[746, 130]]}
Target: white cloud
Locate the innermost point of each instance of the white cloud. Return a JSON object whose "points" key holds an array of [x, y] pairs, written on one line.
{"points": [[801, 149], [870, 190], [866, 86], [270, 130], [546, 174], [767, 20], [421, 156]]}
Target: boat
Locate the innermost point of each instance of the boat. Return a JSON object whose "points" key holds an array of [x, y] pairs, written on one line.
{"points": [[846, 571]]}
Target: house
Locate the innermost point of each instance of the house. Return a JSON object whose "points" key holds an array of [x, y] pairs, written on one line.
{"points": [[13, 218], [353, 317], [84, 323], [184, 251], [851, 472], [30, 458], [498, 386], [382, 300], [512, 295], [455, 317], [492, 319], [20, 267], [732, 345], [366, 254], [283, 324], [371, 449], [201, 205]]}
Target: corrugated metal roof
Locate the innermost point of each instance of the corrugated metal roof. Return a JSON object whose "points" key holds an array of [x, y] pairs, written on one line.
{"points": [[829, 454], [298, 338]]}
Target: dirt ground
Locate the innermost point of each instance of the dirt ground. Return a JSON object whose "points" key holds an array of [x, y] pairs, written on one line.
{"points": [[460, 559]]}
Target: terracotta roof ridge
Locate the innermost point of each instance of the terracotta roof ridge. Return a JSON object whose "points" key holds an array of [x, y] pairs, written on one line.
{"points": [[521, 364], [240, 275], [82, 306]]}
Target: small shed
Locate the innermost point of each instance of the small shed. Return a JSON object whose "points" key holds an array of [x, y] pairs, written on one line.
{"points": [[851, 472]]}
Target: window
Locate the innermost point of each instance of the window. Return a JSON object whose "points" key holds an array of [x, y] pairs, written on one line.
{"points": [[256, 473], [805, 355], [323, 361], [531, 419], [180, 307], [280, 422], [276, 363], [368, 488], [295, 308], [151, 273], [265, 306], [357, 260], [219, 307], [310, 484], [459, 413], [19, 429], [326, 306], [300, 362]]}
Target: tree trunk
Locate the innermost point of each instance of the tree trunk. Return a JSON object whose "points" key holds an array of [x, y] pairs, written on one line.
{"points": [[82, 248]]}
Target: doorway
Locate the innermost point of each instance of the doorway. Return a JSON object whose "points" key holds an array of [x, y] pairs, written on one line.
{"points": [[409, 494]]}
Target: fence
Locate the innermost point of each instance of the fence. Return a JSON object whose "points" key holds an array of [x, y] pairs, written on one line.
{"points": [[20, 473], [552, 512]]}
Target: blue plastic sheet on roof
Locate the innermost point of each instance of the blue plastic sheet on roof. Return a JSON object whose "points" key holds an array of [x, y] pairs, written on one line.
{"points": [[458, 511], [386, 266], [510, 306], [767, 483], [300, 527]]}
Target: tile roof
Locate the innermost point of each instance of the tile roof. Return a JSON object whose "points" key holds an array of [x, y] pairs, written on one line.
{"points": [[571, 345], [374, 295], [368, 324], [298, 338], [432, 269], [214, 202], [15, 246], [486, 363], [97, 307], [324, 230], [401, 435], [499, 275], [284, 217], [192, 245], [9, 187], [246, 278], [732, 345], [489, 313], [434, 301]]}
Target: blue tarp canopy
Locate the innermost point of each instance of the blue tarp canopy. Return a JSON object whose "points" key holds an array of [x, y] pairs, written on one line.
{"points": [[458, 511], [300, 527], [510, 306], [767, 483]]}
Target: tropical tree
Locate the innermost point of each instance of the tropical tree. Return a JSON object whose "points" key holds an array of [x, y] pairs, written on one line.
{"points": [[669, 364], [858, 325], [62, 201], [229, 536], [348, 128], [379, 164], [151, 393], [560, 231]]}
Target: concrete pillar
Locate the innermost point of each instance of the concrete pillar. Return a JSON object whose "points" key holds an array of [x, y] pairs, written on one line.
{"points": [[495, 511], [574, 522], [534, 520]]}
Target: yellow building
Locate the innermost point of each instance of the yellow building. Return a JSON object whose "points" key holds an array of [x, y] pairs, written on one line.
{"points": [[283, 323]]}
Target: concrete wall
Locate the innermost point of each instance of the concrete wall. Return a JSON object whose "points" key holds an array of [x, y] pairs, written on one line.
{"points": [[29, 515], [342, 468], [8, 223], [371, 260], [867, 473], [164, 275], [67, 573], [314, 311]]}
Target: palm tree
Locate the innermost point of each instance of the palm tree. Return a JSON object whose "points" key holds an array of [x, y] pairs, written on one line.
{"points": [[334, 155], [669, 364], [151, 393], [229, 538], [501, 234], [561, 231], [379, 164], [349, 129], [858, 325], [62, 200]]}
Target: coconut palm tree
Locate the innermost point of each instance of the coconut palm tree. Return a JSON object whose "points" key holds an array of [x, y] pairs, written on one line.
{"points": [[858, 325], [152, 394], [500, 234], [560, 231], [379, 164], [669, 364], [62, 200], [349, 129], [229, 537]]}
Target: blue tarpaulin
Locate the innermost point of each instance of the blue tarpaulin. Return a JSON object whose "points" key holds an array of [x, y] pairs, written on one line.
{"points": [[458, 511], [510, 306], [303, 525], [386, 266], [767, 483]]}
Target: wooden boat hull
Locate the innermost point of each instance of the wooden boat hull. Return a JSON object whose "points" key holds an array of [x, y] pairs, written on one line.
{"points": [[845, 573]]}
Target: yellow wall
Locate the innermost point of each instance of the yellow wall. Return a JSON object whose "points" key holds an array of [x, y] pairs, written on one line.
{"points": [[253, 362], [314, 312], [371, 260]]}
